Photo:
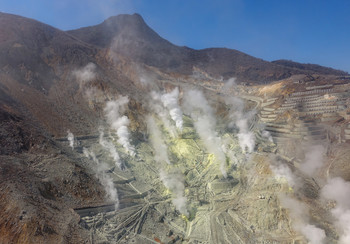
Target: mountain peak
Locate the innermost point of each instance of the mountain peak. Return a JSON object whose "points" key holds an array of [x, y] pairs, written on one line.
{"points": [[123, 26], [125, 18], [130, 36], [125, 21]]}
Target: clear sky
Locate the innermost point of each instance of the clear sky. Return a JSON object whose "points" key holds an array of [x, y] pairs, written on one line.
{"points": [[307, 31]]}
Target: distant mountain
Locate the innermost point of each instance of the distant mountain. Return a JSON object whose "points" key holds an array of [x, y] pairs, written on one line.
{"points": [[130, 36], [37, 62], [312, 68]]}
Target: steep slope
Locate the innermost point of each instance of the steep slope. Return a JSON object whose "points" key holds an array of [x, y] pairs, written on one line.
{"points": [[312, 68], [40, 182], [29, 45], [38, 65], [130, 36]]}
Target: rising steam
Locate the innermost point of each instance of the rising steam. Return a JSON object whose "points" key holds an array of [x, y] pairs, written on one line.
{"points": [[202, 114], [105, 179], [157, 107], [229, 84], [283, 172], [85, 74], [171, 102], [71, 140], [172, 181], [240, 120], [119, 122], [109, 146], [313, 160], [337, 189], [160, 148], [299, 213]]}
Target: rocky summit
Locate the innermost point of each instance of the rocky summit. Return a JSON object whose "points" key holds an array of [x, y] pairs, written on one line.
{"points": [[112, 134]]}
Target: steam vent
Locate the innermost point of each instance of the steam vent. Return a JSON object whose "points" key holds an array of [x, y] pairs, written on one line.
{"points": [[112, 134]]}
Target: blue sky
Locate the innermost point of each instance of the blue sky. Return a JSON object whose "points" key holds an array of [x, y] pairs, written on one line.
{"points": [[306, 31]]}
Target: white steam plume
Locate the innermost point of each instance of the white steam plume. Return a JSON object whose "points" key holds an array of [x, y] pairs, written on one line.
{"points": [[240, 119], [173, 181], [111, 149], [338, 189], [105, 179], [85, 74], [204, 121], [160, 148], [229, 84], [266, 134], [246, 138], [91, 155], [282, 171], [230, 153], [119, 123], [71, 139], [171, 102], [145, 80], [313, 160], [158, 108], [299, 213]]}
